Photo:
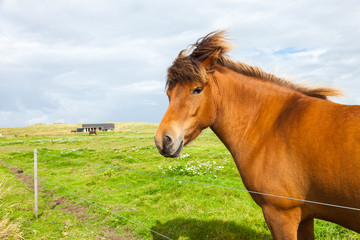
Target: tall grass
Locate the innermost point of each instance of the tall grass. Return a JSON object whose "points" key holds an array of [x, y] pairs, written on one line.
{"points": [[9, 228], [93, 169]]}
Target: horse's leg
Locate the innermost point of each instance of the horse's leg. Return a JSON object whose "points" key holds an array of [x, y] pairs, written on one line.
{"points": [[306, 230], [283, 224]]}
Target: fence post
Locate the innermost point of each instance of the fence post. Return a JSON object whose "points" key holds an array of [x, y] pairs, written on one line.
{"points": [[35, 184]]}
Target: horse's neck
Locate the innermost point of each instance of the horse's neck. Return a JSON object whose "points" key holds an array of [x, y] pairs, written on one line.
{"points": [[248, 109]]}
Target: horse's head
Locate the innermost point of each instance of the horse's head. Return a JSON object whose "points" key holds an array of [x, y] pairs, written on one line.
{"points": [[192, 106]]}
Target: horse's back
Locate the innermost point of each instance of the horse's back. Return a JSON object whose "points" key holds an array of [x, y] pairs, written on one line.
{"points": [[329, 157]]}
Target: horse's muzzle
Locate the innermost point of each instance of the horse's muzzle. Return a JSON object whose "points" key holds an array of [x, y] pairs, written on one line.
{"points": [[168, 146]]}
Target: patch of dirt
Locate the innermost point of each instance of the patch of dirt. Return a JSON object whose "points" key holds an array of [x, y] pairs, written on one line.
{"points": [[28, 180], [78, 210], [59, 201], [108, 234]]}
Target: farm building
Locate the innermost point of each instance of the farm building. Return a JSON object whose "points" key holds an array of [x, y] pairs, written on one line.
{"points": [[102, 127]]}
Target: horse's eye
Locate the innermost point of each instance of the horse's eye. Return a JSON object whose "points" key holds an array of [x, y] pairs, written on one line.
{"points": [[197, 90]]}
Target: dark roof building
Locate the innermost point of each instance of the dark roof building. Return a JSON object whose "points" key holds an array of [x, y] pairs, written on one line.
{"points": [[98, 126]]}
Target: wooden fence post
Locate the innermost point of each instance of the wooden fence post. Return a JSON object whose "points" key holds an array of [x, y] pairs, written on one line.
{"points": [[35, 184]]}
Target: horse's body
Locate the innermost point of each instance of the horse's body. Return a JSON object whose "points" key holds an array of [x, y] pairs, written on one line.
{"points": [[92, 132], [286, 140], [294, 146]]}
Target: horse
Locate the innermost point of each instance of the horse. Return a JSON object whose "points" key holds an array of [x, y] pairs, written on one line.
{"points": [[288, 140], [92, 132]]}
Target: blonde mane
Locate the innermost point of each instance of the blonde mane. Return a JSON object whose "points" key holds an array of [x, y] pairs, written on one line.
{"points": [[187, 67]]}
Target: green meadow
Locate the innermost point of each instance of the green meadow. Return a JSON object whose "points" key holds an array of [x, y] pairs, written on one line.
{"points": [[117, 186]]}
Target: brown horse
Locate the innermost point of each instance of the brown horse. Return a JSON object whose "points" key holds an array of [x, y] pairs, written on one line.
{"points": [[286, 139], [92, 132]]}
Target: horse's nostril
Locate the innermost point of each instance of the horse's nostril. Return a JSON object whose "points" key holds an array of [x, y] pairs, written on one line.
{"points": [[167, 141]]}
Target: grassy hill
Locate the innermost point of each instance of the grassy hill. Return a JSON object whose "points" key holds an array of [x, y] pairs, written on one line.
{"points": [[105, 186], [42, 129]]}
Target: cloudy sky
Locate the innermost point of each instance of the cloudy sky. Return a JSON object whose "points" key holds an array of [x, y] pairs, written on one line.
{"points": [[78, 61]]}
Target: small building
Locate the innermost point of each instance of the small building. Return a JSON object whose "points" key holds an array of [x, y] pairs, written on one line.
{"points": [[101, 127], [79, 130]]}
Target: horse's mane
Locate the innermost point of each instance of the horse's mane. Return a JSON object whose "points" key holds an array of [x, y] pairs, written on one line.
{"points": [[187, 67]]}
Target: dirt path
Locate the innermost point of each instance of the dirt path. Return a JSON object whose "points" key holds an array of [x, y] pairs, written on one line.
{"points": [[65, 205]]}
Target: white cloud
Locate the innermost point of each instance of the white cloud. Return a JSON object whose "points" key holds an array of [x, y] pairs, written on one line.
{"points": [[106, 60], [39, 119], [138, 87], [150, 102]]}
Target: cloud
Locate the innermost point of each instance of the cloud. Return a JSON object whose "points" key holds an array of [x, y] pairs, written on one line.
{"points": [[289, 50], [107, 60], [155, 87]]}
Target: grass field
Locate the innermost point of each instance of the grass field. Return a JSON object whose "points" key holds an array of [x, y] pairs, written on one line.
{"points": [[89, 185]]}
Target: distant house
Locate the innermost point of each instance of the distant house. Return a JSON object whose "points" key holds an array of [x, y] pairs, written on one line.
{"points": [[102, 127]]}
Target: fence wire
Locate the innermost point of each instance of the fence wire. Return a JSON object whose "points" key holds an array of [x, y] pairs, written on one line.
{"points": [[88, 201], [93, 203], [183, 180], [224, 187]]}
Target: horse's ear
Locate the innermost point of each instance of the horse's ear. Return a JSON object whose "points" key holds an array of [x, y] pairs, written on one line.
{"points": [[209, 62]]}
